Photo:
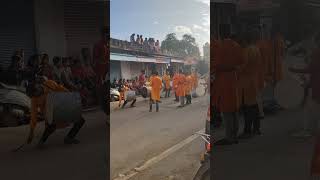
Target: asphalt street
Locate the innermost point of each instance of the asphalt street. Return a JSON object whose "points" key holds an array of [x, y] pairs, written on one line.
{"points": [[56, 161], [138, 135]]}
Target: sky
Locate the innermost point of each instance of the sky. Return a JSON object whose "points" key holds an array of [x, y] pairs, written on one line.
{"points": [[157, 18]]}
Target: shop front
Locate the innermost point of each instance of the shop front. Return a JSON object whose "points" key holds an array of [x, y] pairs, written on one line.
{"points": [[55, 27], [162, 64], [120, 66], [176, 64], [147, 64]]}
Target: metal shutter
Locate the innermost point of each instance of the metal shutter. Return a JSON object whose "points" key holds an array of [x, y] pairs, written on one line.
{"points": [[83, 21], [17, 29]]}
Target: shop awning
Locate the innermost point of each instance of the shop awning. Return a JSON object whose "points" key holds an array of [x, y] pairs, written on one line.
{"points": [[190, 61], [143, 59], [122, 57], [163, 60], [177, 61]]}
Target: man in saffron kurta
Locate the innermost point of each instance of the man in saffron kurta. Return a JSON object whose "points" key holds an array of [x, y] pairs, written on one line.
{"points": [[195, 82], [181, 83], [175, 85], [225, 92], [156, 85], [249, 87], [188, 87], [166, 79]]}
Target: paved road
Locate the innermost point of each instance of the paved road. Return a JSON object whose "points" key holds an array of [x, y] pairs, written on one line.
{"points": [[274, 155], [56, 161], [181, 165], [138, 135]]}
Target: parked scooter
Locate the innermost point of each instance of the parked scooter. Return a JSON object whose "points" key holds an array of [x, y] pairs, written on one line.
{"points": [[15, 106], [203, 172]]}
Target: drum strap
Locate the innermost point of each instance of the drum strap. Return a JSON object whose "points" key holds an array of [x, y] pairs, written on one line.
{"points": [[47, 86]]}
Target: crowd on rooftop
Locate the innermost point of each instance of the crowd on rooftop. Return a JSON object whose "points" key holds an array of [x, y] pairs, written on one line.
{"points": [[138, 42]]}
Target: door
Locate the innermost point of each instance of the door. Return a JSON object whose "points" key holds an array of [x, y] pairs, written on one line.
{"points": [[115, 70], [17, 29]]}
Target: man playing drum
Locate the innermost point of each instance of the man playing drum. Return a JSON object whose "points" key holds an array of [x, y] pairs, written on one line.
{"points": [[41, 89], [142, 79], [129, 96]]}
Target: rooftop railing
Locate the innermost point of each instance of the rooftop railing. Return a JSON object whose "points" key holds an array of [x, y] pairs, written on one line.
{"points": [[143, 48]]}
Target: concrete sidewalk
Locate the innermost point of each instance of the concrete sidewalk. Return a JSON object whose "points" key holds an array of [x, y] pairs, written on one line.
{"points": [[274, 155]]}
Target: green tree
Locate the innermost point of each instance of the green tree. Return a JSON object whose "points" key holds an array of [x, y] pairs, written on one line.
{"points": [[187, 46], [170, 44]]}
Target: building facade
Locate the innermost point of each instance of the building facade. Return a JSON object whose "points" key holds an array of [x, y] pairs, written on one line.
{"points": [[126, 66], [55, 27], [224, 16]]}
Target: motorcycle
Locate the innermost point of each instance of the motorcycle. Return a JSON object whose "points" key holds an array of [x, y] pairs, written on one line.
{"points": [[203, 172], [15, 106]]}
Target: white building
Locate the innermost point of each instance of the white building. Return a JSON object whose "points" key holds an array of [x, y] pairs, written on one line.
{"points": [[129, 66]]}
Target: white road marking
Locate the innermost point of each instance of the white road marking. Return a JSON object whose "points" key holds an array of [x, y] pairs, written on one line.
{"points": [[159, 157]]}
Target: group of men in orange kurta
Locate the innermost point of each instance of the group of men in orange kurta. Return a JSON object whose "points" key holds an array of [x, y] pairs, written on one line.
{"points": [[183, 84], [242, 67]]}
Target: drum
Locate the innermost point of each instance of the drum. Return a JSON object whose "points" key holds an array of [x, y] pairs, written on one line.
{"points": [[63, 107], [130, 95], [146, 91]]}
